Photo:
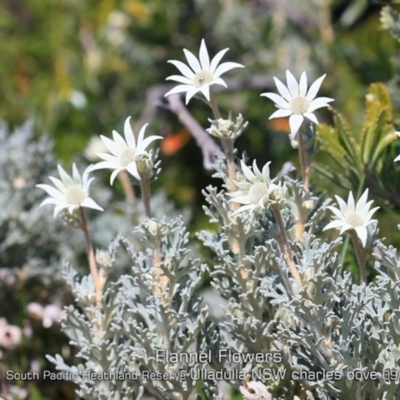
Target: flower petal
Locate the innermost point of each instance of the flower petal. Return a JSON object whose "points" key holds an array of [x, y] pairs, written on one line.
{"points": [[216, 60], [190, 93], [118, 139], [295, 122], [281, 113], [132, 169], [206, 91], [311, 117], [247, 172], [111, 146], [312, 92], [52, 191], [204, 57], [226, 67], [319, 102], [144, 143], [179, 89], [180, 79], [283, 90], [219, 81], [141, 136], [303, 84], [105, 165], [362, 233], [279, 100], [183, 69], [64, 176], [129, 135], [58, 184], [114, 175], [333, 224], [90, 203], [350, 203], [192, 60], [76, 175], [292, 84]]}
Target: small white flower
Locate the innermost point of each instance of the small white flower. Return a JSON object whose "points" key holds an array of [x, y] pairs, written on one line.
{"points": [[257, 190], [255, 391], [124, 152], [295, 101], [70, 193], [398, 157], [201, 74], [353, 216]]}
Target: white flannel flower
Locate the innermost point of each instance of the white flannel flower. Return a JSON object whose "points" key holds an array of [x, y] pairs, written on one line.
{"points": [[69, 192], [353, 216], [124, 152], [202, 73], [295, 101], [398, 157], [257, 190]]}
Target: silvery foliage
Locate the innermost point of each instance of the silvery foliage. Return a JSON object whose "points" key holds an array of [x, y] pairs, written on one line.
{"points": [[330, 324]]}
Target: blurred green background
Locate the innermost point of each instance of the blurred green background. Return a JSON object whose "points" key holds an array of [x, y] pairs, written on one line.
{"points": [[79, 68]]}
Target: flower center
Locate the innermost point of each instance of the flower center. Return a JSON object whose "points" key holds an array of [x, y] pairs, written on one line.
{"points": [[355, 220], [75, 195], [257, 192], [126, 157], [299, 105], [202, 78]]}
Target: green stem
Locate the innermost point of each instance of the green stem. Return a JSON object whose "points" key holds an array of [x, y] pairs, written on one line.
{"points": [[284, 244], [214, 106], [98, 283], [304, 162], [360, 254], [145, 188]]}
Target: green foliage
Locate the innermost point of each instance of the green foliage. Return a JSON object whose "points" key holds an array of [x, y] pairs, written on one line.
{"points": [[357, 155]]}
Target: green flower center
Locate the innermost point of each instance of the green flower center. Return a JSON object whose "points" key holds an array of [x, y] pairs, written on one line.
{"points": [[257, 192], [202, 78], [75, 195], [355, 220], [126, 157], [299, 105]]}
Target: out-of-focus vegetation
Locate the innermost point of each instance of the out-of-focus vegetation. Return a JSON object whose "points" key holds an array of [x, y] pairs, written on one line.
{"points": [[79, 68]]}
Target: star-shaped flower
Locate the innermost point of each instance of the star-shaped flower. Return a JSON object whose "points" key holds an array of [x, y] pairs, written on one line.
{"points": [[296, 101], [124, 152], [353, 216], [201, 74], [257, 190], [69, 192]]}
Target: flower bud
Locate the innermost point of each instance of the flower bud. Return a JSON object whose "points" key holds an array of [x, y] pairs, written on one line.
{"points": [[144, 164]]}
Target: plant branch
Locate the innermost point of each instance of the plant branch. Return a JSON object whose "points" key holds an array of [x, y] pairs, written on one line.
{"points": [[145, 188], [304, 162], [98, 282], [284, 244], [360, 254]]}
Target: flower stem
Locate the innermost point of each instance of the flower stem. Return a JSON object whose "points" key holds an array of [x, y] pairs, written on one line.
{"points": [[304, 162], [360, 254], [228, 147], [214, 106], [284, 244], [98, 283], [126, 185], [145, 188]]}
